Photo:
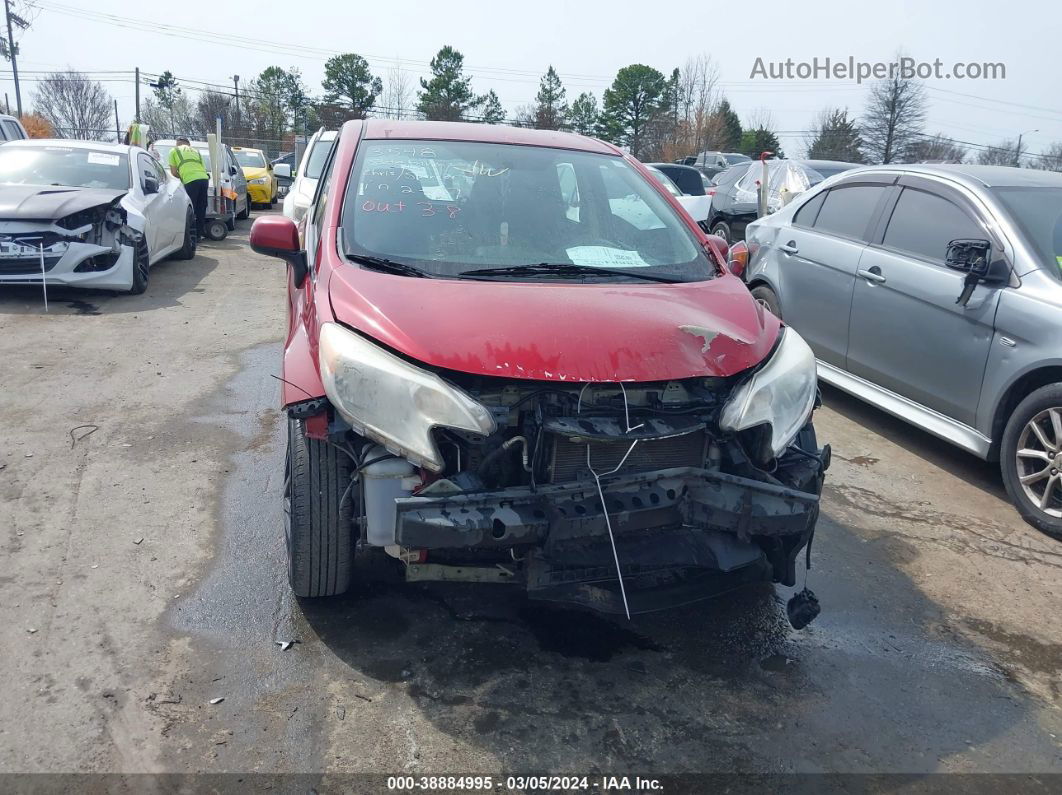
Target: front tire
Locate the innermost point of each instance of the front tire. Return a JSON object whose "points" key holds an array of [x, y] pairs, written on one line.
{"points": [[243, 216], [319, 499], [765, 297], [191, 240], [141, 267], [1031, 459]]}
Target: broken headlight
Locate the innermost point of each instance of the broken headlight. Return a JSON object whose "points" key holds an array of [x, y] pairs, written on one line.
{"points": [[780, 394], [391, 401]]}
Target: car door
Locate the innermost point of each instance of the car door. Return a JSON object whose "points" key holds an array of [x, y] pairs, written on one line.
{"points": [[239, 181], [154, 205], [818, 254], [908, 334]]}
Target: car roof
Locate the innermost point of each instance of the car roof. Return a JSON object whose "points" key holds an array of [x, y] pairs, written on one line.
{"points": [[976, 176], [99, 146], [376, 129], [674, 165], [817, 163]]}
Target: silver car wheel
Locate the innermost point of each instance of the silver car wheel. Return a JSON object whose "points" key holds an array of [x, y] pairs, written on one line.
{"points": [[1039, 461]]}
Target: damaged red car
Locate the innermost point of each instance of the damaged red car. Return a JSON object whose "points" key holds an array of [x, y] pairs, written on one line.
{"points": [[512, 358]]}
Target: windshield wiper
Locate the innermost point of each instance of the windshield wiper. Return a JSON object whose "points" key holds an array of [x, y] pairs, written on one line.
{"points": [[565, 269], [389, 266]]}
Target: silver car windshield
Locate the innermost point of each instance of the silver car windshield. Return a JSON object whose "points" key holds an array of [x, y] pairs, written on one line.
{"points": [[69, 166], [1038, 212], [454, 207]]}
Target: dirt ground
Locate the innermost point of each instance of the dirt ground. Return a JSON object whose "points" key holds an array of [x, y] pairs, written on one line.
{"points": [[142, 576]]}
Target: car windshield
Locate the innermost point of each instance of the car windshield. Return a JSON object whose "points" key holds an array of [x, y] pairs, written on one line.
{"points": [[165, 149], [1038, 212], [317, 158], [451, 208], [249, 159], [64, 165]]}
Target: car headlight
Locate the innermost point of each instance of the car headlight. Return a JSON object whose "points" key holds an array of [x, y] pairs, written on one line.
{"points": [[259, 180], [780, 394], [391, 401]]}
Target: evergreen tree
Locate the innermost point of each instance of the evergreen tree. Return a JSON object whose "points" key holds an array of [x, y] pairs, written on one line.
{"points": [[448, 96], [492, 112], [348, 83], [631, 105], [551, 111], [835, 137], [584, 116]]}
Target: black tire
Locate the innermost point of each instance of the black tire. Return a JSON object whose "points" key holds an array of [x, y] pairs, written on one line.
{"points": [[319, 501], [216, 229], [230, 219], [722, 229], [141, 267], [1039, 402], [243, 216], [765, 295], [191, 238]]}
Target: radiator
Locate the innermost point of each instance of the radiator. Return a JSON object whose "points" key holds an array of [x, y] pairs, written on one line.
{"points": [[568, 459]]}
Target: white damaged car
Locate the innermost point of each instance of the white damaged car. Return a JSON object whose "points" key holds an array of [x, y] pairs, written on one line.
{"points": [[88, 214]]}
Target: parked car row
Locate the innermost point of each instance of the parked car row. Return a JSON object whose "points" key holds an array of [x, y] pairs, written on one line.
{"points": [[934, 293]]}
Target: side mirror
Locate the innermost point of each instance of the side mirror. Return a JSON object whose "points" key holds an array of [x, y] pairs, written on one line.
{"points": [[282, 170], [277, 236], [969, 256], [718, 247], [233, 170], [974, 258], [151, 184]]}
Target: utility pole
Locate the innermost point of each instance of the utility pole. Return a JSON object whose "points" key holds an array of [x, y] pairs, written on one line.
{"points": [[12, 51], [1017, 151], [236, 82], [117, 124], [137, 72]]}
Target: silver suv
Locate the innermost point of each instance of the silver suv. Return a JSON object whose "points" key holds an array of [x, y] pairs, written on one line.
{"points": [[934, 293]]}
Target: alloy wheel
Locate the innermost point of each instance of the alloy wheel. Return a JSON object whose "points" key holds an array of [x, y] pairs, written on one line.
{"points": [[1039, 461]]}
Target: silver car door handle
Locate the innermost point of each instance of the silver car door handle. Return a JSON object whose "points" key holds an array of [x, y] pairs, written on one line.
{"points": [[789, 248], [872, 275]]}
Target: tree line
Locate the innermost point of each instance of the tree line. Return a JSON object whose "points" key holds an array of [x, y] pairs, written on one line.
{"points": [[655, 116]]}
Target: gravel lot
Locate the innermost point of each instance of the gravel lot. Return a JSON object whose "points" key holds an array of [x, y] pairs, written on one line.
{"points": [[143, 576]]}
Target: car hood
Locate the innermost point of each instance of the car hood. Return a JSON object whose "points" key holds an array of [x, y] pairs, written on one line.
{"points": [[559, 332], [48, 203], [254, 172]]}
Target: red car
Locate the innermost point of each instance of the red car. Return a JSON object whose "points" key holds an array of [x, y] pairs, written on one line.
{"points": [[512, 358]]}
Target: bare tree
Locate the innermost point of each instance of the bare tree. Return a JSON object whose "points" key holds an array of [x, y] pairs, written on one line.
{"points": [[1051, 159], [937, 149], [1005, 153], [696, 102], [76, 106], [893, 119], [397, 96]]}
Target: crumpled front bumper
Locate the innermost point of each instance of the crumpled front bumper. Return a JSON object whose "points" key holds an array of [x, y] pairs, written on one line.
{"points": [[671, 519], [118, 276]]}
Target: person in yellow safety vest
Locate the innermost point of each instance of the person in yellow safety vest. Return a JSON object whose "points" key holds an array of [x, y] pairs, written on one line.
{"points": [[187, 165]]}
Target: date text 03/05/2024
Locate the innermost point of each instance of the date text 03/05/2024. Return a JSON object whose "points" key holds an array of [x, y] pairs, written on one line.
{"points": [[524, 783]]}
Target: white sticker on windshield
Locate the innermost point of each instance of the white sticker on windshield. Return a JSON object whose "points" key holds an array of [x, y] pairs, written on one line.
{"points": [[605, 257], [103, 159]]}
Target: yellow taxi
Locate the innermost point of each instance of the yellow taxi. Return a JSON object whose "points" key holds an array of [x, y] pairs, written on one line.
{"points": [[261, 183]]}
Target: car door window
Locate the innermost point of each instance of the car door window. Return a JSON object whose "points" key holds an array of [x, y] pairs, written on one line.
{"points": [[12, 131], [846, 211], [923, 224], [807, 214], [147, 170]]}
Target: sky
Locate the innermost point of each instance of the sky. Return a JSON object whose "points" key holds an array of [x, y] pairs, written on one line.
{"points": [[507, 46]]}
